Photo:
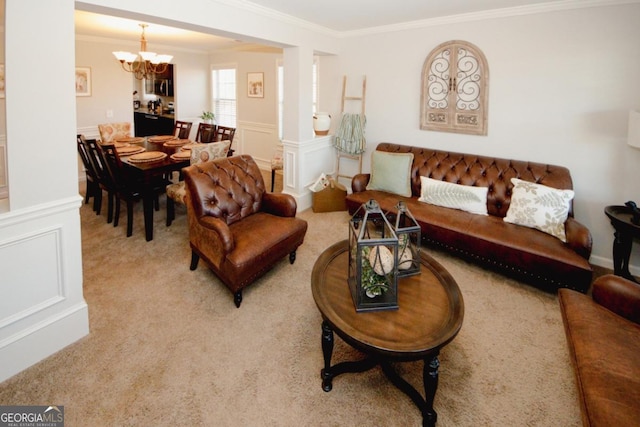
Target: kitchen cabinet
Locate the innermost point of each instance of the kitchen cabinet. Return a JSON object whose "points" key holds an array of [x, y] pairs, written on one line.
{"points": [[153, 124]]}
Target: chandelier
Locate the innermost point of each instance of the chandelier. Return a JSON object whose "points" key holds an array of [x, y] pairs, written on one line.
{"points": [[144, 64]]}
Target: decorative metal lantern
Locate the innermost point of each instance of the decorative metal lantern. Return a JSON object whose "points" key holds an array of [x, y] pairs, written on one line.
{"points": [[373, 260], [408, 232]]}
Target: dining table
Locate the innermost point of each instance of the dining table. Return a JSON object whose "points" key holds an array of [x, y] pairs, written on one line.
{"points": [[147, 171]]}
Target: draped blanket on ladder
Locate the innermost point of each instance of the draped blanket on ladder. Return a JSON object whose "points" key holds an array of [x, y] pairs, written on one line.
{"points": [[349, 137]]}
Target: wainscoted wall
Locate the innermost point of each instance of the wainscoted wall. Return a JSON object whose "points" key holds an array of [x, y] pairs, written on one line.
{"points": [[42, 308], [317, 155], [4, 185], [260, 140]]}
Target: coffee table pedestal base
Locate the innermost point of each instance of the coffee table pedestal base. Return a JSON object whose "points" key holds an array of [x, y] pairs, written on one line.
{"points": [[429, 374]]}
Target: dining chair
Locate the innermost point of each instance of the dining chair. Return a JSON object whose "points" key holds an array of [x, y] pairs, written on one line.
{"points": [[92, 187], [105, 183], [199, 154], [226, 133], [126, 187], [206, 133], [109, 132], [182, 129]]}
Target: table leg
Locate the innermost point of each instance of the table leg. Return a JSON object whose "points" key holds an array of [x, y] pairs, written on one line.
{"points": [[147, 204], [327, 351], [622, 244], [430, 378]]}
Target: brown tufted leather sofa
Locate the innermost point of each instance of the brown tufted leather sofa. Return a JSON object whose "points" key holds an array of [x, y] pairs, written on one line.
{"points": [[237, 227], [522, 252], [603, 334]]}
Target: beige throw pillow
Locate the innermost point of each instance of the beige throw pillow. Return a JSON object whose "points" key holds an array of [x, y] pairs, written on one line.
{"points": [[540, 207], [391, 172], [455, 196]]}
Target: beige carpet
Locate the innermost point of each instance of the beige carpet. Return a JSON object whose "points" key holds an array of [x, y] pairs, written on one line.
{"points": [[169, 348]]}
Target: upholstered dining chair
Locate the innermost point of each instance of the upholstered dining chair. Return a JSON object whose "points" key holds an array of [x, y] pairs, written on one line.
{"points": [[199, 153], [224, 133], [109, 132], [206, 133], [239, 229], [181, 129]]}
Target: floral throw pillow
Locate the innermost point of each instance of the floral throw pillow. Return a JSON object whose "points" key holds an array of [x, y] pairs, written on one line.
{"points": [[205, 152], [540, 207]]}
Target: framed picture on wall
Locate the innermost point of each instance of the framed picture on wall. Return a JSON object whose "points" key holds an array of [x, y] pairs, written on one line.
{"points": [[83, 81], [255, 85], [1, 80]]}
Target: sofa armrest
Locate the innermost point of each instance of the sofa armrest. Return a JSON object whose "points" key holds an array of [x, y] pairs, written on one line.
{"points": [[578, 237], [619, 295], [279, 204], [222, 229], [359, 182]]}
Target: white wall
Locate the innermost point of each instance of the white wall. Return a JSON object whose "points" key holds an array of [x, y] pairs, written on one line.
{"points": [[561, 85]]}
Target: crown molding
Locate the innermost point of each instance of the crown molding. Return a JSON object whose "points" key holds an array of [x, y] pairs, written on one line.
{"points": [[135, 45]]}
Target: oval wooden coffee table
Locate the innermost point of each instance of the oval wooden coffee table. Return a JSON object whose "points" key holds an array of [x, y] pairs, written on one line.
{"points": [[430, 315]]}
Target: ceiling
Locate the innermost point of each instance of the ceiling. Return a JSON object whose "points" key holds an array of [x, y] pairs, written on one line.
{"points": [[338, 16]]}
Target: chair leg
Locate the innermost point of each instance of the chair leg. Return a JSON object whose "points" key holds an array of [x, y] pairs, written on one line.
{"points": [[129, 218], [292, 257], [194, 260], [273, 178], [109, 208], [171, 210], [156, 203], [97, 202], [237, 298], [116, 214]]}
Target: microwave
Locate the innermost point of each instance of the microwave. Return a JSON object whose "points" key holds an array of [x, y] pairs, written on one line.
{"points": [[163, 87]]}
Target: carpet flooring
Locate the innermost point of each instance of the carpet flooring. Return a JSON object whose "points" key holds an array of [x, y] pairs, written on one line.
{"points": [[168, 347]]}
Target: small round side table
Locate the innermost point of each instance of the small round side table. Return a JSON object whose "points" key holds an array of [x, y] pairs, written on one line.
{"points": [[625, 232]]}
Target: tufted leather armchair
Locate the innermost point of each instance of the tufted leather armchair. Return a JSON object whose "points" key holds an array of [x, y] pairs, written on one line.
{"points": [[237, 227]]}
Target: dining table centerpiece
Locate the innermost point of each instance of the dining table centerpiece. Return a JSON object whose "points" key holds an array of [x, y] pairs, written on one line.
{"points": [[373, 260]]}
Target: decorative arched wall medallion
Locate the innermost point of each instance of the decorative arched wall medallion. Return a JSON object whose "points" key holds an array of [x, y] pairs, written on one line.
{"points": [[455, 89]]}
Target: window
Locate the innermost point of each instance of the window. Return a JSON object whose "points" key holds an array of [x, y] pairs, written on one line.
{"points": [[455, 83], [281, 93], [223, 83]]}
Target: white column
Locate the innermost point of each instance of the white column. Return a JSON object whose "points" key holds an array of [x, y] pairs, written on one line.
{"points": [[305, 156], [42, 308]]}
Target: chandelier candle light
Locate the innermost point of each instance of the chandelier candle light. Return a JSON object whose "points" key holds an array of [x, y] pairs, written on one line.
{"points": [[144, 64]]}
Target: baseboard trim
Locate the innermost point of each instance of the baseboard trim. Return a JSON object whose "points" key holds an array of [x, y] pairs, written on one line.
{"points": [[31, 345]]}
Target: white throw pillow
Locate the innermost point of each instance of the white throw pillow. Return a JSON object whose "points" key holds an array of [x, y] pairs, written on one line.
{"points": [[391, 172], [540, 207], [455, 196]]}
